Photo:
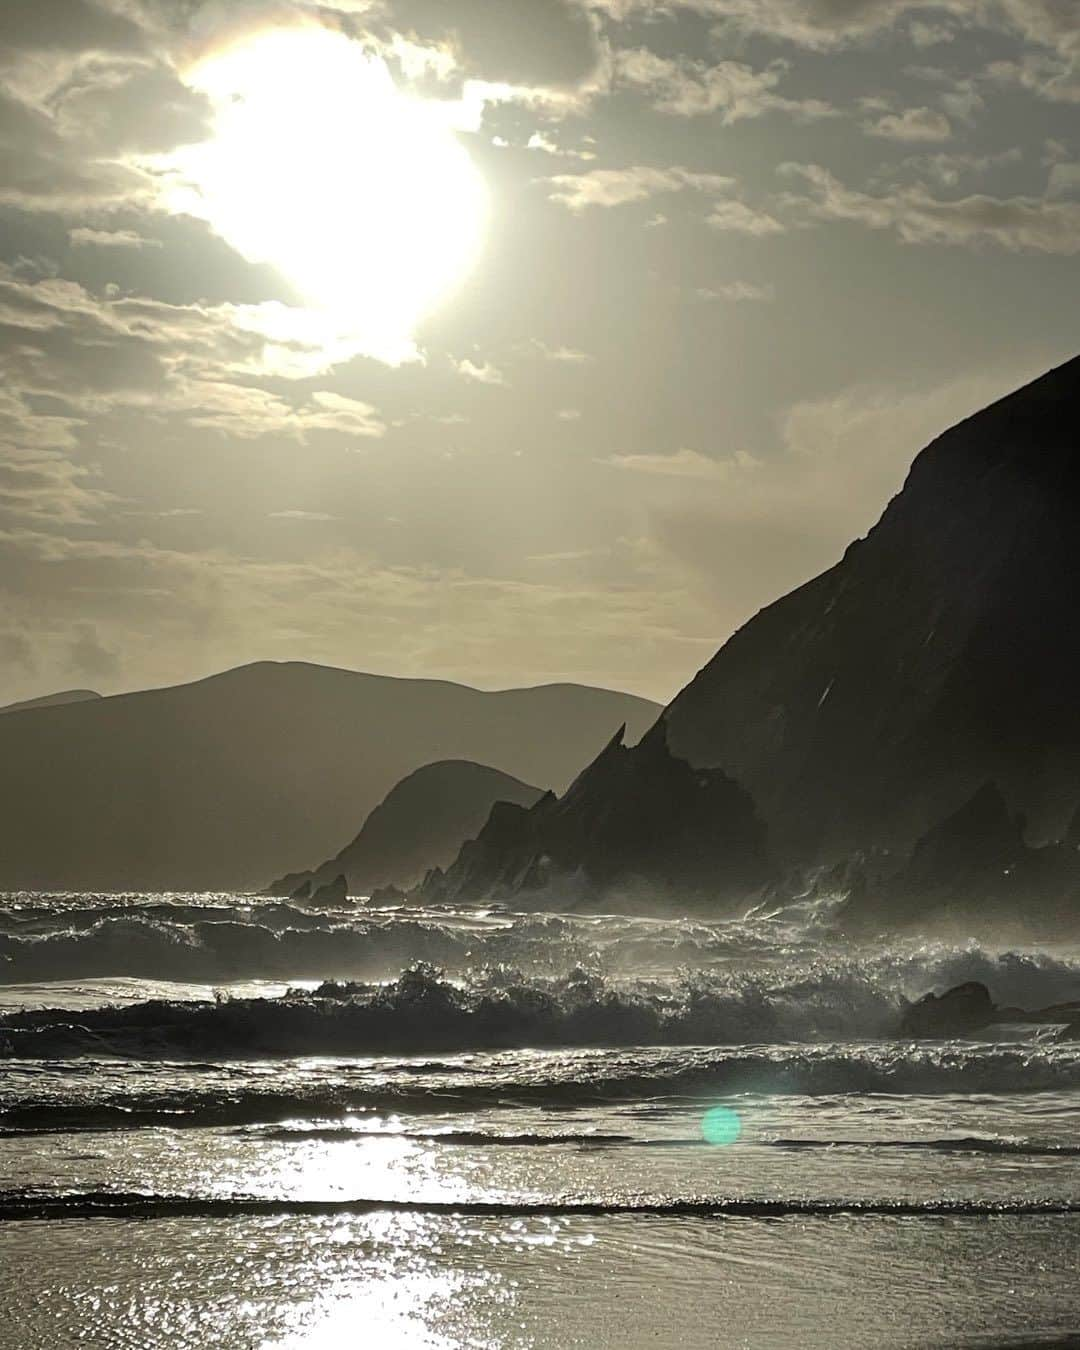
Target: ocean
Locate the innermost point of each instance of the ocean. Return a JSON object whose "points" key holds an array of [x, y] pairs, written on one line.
{"points": [[228, 1122]]}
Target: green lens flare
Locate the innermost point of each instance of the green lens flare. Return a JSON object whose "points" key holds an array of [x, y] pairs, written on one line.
{"points": [[720, 1125]]}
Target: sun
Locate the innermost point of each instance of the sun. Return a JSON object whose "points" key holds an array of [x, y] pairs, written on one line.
{"points": [[361, 196]]}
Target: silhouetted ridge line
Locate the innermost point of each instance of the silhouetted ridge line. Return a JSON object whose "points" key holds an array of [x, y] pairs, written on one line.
{"points": [[941, 651], [418, 825], [59, 700], [229, 781]]}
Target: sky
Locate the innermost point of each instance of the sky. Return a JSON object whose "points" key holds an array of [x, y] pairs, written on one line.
{"points": [[505, 342]]}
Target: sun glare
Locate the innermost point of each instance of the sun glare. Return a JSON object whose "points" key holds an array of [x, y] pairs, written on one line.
{"points": [[362, 196]]}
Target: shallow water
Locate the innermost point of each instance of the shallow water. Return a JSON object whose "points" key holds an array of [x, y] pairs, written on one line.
{"points": [[513, 1152]]}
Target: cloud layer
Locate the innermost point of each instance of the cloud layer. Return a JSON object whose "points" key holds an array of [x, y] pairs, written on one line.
{"points": [[743, 258]]}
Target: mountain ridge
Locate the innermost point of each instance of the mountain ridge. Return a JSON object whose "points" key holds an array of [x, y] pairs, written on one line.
{"points": [[226, 782]]}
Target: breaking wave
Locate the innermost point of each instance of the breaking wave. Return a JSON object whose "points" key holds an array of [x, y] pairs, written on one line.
{"points": [[221, 940], [502, 1008], [499, 1009]]}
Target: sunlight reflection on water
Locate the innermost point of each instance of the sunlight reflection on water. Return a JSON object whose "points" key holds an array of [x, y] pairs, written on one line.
{"points": [[400, 1293]]}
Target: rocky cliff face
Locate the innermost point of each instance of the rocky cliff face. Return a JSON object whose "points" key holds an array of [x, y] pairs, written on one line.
{"points": [[637, 826], [974, 869], [942, 651]]}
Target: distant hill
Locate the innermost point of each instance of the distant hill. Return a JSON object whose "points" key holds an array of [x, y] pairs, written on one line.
{"points": [[230, 781], [419, 824], [52, 700]]}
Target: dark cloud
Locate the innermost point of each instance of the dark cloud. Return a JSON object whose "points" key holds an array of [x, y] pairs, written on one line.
{"points": [[549, 43], [1019, 224], [40, 171], [109, 108], [67, 26], [49, 490], [191, 475]]}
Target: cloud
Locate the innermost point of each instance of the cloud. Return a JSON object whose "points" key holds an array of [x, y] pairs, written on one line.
{"points": [[1057, 81], [116, 108], [89, 658], [16, 649], [250, 413], [684, 87], [84, 89], [335, 412], [67, 26], [178, 614], [1019, 224], [34, 428], [621, 187], [1044, 33], [820, 25], [84, 237], [562, 354], [826, 25], [48, 490], [735, 217], [40, 171], [540, 140], [925, 34], [682, 464], [913, 124], [561, 49], [94, 355], [764, 525], [737, 291], [301, 515], [949, 169], [479, 372], [1064, 180]]}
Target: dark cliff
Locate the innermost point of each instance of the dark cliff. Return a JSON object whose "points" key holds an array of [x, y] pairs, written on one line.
{"points": [[942, 651], [940, 654], [637, 826]]}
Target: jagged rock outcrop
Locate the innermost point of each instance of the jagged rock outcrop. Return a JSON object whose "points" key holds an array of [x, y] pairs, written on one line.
{"points": [[958, 1012], [942, 651], [638, 826], [420, 824], [968, 1008], [334, 892], [974, 867], [983, 833]]}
